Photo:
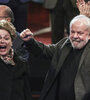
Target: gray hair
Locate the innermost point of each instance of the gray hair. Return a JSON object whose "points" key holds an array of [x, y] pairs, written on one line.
{"points": [[83, 19]]}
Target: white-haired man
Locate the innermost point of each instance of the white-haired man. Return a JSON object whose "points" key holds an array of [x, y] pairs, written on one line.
{"points": [[69, 75]]}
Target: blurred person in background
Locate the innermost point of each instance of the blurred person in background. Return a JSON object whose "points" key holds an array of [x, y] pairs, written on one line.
{"points": [[61, 12], [20, 10]]}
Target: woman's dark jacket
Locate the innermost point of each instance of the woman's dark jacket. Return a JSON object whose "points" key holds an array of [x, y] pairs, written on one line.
{"points": [[14, 83]]}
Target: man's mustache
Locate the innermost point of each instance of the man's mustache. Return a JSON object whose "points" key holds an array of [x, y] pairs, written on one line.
{"points": [[76, 40]]}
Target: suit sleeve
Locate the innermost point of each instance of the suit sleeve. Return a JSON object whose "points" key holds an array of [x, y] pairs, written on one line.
{"points": [[38, 48]]}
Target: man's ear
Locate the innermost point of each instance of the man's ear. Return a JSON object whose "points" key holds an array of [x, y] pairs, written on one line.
{"points": [[89, 36], [9, 19]]}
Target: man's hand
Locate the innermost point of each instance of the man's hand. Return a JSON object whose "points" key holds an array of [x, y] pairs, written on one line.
{"points": [[84, 7], [80, 3], [26, 35]]}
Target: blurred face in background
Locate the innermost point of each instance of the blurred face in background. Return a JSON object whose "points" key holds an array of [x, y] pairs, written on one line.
{"points": [[5, 42], [3, 15], [79, 35]]}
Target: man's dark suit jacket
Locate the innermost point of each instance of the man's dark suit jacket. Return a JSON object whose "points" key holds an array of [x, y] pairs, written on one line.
{"points": [[58, 53]]}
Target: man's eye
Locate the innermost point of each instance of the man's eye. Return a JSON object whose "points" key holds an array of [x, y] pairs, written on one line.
{"points": [[72, 31], [80, 33]]}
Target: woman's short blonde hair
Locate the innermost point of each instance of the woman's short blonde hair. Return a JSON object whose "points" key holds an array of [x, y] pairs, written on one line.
{"points": [[8, 26]]}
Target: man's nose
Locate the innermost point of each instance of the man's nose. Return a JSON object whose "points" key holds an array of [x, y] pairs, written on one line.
{"points": [[75, 35]]}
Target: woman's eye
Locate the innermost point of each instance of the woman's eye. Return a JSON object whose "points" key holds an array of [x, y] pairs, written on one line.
{"points": [[7, 38]]}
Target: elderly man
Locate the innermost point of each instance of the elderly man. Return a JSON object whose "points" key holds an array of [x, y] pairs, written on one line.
{"points": [[69, 75]]}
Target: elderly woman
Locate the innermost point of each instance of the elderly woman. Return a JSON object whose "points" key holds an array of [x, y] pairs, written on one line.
{"points": [[13, 71]]}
